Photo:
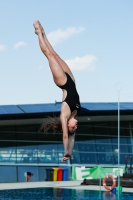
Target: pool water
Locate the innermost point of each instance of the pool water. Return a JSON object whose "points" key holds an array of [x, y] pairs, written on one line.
{"points": [[61, 194]]}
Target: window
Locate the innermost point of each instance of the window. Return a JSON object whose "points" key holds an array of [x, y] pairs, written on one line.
{"points": [[88, 158]]}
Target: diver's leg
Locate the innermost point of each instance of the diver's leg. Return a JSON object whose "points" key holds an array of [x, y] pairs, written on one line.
{"points": [[62, 63], [56, 69]]}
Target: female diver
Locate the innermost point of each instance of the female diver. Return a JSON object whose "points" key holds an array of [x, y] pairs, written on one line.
{"points": [[64, 79]]}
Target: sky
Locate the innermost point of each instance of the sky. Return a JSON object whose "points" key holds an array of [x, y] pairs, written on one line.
{"points": [[94, 37]]}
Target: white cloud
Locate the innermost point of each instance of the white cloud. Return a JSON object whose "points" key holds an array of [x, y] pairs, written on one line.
{"points": [[85, 63], [2, 47], [57, 36], [19, 44]]}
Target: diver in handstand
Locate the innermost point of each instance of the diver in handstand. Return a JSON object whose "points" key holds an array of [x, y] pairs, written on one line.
{"points": [[64, 79]]}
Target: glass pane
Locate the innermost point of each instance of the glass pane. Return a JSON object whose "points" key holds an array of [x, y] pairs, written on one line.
{"points": [[8, 151], [75, 158], [130, 140], [85, 138], [47, 153], [26, 133], [26, 136], [130, 148], [123, 148], [105, 158], [60, 155], [128, 129], [85, 128], [131, 156], [83, 147], [84, 133], [114, 140], [50, 136], [123, 140], [7, 133], [104, 148], [60, 152], [26, 128], [76, 147], [122, 129], [88, 158], [122, 158], [60, 147], [101, 128], [102, 139], [113, 128], [26, 153]]}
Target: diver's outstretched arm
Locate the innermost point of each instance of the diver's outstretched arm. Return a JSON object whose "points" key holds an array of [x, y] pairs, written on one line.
{"points": [[71, 140]]}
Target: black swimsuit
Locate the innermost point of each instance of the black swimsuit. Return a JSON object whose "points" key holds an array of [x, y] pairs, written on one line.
{"points": [[72, 98]]}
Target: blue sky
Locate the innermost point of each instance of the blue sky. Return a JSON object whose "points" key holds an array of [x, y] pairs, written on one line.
{"points": [[95, 38]]}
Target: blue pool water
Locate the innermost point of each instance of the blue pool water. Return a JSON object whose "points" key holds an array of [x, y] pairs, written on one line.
{"points": [[61, 194]]}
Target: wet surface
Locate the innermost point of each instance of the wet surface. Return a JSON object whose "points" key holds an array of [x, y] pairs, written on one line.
{"points": [[61, 194]]}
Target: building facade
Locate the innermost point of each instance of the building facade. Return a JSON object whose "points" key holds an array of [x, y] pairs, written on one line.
{"points": [[23, 148]]}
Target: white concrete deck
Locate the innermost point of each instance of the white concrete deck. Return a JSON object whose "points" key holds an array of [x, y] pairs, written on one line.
{"points": [[56, 184]]}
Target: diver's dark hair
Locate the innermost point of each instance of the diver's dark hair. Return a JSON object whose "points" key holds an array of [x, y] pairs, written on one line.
{"points": [[51, 123]]}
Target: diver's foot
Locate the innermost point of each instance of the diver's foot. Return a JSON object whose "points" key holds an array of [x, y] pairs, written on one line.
{"points": [[42, 28], [66, 157], [37, 27]]}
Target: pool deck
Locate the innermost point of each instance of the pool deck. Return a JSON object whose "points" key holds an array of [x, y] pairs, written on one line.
{"points": [[55, 184]]}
